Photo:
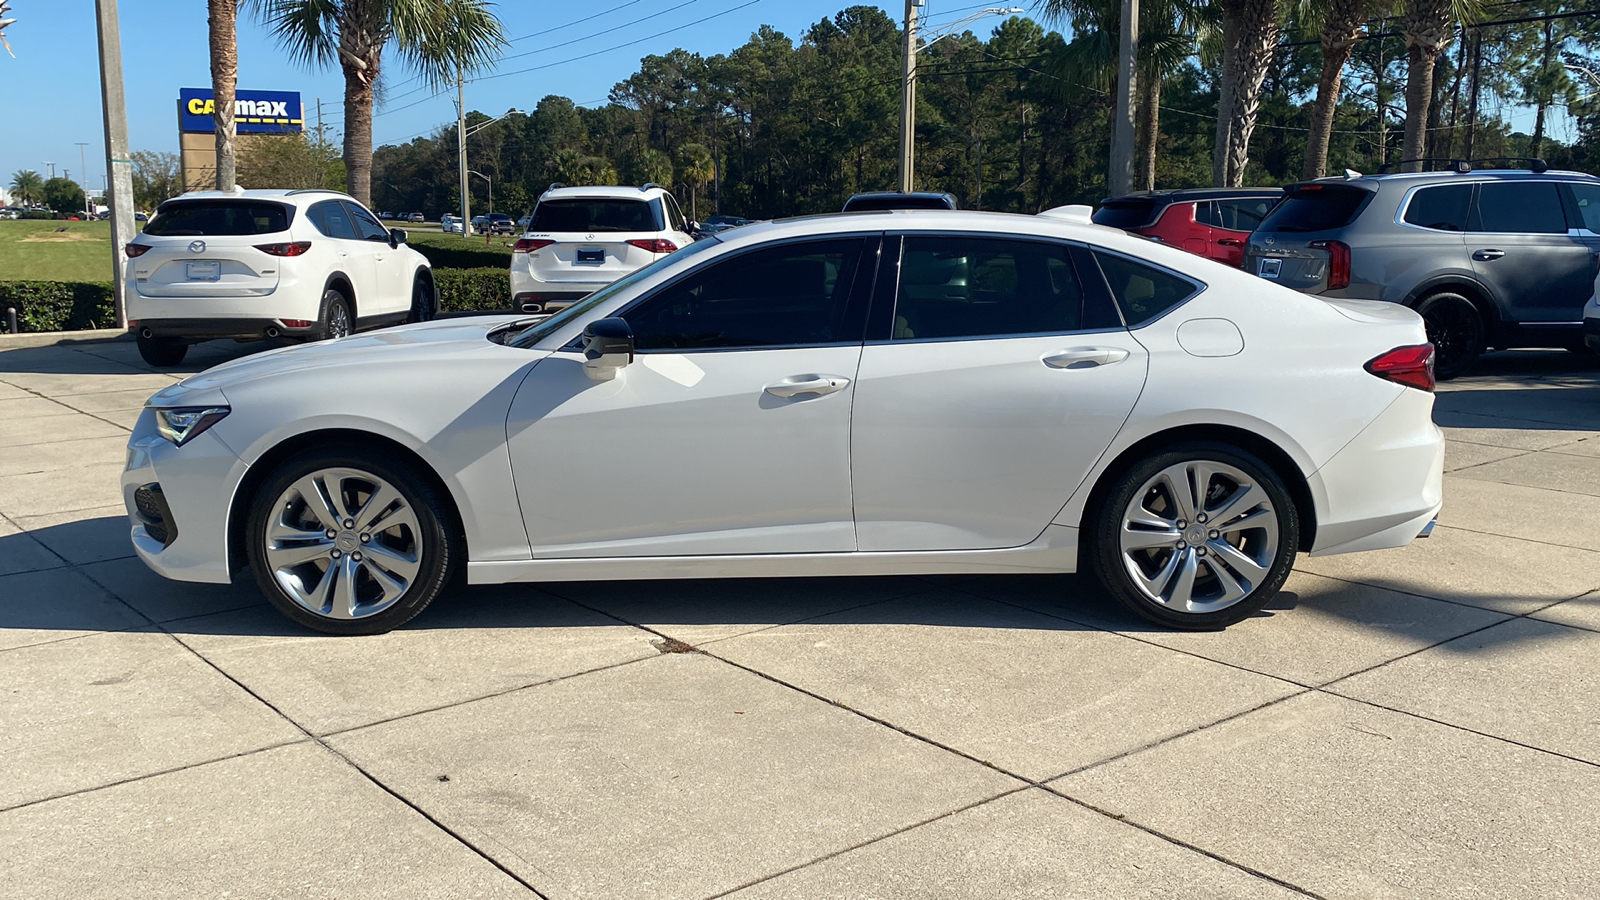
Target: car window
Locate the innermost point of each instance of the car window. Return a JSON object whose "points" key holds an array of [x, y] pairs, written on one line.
{"points": [[1125, 213], [675, 215], [1442, 208], [214, 217], [1315, 207], [580, 214], [954, 286], [1588, 199], [1143, 292], [367, 228], [789, 295], [331, 219], [1205, 213], [1519, 207], [1241, 213]]}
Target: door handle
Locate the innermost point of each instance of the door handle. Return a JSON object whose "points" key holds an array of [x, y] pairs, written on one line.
{"points": [[1085, 357], [1230, 242], [1487, 255], [807, 384]]}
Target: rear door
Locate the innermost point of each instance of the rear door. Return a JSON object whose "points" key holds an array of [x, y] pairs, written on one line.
{"points": [[353, 256], [1539, 270]]}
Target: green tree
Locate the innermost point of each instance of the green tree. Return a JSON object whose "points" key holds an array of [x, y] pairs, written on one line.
{"points": [[28, 186], [1250, 31], [291, 162], [696, 167], [62, 195], [440, 40], [1342, 24], [223, 20], [1428, 27], [157, 177]]}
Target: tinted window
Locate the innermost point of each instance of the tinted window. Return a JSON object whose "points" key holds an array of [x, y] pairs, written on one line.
{"points": [[594, 215], [1519, 207], [880, 202], [975, 287], [1144, 292], [368, 228], [1205, 213], [1443, 208], [790, 295], [1588, 199], [1314, 208], [1125, 213], [218, 217], [1242, 214], [331, 219]]}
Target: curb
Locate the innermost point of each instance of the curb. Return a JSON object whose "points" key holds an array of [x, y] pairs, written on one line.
{"points": [[67, 338]]}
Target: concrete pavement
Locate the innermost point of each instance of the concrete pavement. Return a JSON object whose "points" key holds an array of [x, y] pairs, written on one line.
{"points": [[1410, 723]]}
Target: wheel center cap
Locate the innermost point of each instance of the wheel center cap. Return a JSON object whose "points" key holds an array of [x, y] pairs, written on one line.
{"points": [[347, 541], [1195, 534]]}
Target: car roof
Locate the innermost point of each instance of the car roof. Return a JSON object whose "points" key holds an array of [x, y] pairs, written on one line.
{"points": [[259, 194], [1067, 227], [604, 192], [1373, 182], [1180, 195]]}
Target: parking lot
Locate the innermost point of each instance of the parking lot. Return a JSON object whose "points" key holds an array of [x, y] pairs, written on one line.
{"points": [[1418, 722]]}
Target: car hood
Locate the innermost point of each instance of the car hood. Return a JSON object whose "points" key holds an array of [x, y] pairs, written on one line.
{"points": [[409, 345]]}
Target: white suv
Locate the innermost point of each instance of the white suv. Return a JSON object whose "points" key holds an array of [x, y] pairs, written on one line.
{"points": [[581, 239], [266, 264]]}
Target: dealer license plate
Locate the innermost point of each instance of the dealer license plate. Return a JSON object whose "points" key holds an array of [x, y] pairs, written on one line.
{"points": [[591, 256], [1270, 268], [203, 271]]}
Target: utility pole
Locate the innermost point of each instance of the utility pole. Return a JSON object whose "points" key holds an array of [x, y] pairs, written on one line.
{"points": [[52, 167], [1121, 175], [319, 120], [908, 101], [461, 140], [84, 168], [119, 168]]}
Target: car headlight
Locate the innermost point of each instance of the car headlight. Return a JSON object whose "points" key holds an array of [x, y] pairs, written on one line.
{"points": [[181, 424]]}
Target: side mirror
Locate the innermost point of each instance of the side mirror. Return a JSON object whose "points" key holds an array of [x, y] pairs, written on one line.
{"points": [[607, 347], [397, 236]]}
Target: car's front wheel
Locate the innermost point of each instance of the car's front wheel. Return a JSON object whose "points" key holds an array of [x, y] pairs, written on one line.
{"points": [[1198, 536], [345, 543], [1456, 329]]}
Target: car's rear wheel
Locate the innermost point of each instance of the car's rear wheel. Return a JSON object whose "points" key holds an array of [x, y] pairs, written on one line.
{"points": [[422, 304], [1456, 329], [347, 544], [1196, 537], [334, 320], [162, 352]]}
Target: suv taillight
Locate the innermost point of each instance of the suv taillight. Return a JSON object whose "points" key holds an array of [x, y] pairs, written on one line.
{"points": [[655, 245], [1338, 262], [134, 250], [528, 245], [291, 248], [1411, 366]]}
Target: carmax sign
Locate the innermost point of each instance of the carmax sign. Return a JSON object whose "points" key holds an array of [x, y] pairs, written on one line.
{"points": [[254, 112]]}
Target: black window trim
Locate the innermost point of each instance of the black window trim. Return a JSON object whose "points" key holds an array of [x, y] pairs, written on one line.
{"points": [[1199, 286], [332, 201]]}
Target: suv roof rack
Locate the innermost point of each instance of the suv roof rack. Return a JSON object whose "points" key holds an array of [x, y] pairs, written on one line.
{"points": [[650, 184], [1458, 166], [553, 186], [1535, 165]]}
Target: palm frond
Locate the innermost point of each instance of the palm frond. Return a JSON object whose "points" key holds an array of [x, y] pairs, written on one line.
{"points": [[307, 29]]}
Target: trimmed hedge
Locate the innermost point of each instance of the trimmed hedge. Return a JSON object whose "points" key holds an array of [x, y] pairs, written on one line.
{"points": [[473, 290], [61, 305], [464, 256]]}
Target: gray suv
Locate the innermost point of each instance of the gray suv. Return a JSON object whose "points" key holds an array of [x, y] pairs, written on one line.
{"points": [[1490, 259]]}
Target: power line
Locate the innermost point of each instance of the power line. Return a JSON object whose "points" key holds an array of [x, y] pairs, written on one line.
{"points": [[579, 40], [603, 12]]}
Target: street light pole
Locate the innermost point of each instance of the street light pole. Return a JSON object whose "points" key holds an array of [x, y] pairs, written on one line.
{"points": [[491, 186], [461, 140], [84, 168], [1121, 174], [908, 100]]}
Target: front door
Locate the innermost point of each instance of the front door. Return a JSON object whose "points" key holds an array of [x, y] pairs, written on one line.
{"points": [[728, 434], [1002, 380], [1522, 251]]}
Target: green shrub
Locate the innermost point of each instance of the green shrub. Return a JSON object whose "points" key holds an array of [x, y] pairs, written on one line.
{"points": [[472, 290], [459, 253], [59, 305]]}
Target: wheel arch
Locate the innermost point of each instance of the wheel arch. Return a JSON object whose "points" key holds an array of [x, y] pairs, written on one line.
{"points": [[346, 286], [1470, 288]]}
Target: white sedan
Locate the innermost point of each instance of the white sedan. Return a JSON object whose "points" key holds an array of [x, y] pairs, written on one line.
{"points": [[874, 393]]}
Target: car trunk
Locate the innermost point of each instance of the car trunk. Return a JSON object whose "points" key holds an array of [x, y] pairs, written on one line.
{"points": [[1295, 244], [210, 248], [589, 240]]}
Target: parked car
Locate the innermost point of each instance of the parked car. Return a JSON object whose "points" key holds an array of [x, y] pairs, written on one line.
{"points": [[899, 200], [479, 223], [1030, 394], [583, 238], [386, 216], [450, 224], [1209, 222], [417, 218], [1591, 318], [305, 264], [1490, 258], [718, 224], [498, 223]]}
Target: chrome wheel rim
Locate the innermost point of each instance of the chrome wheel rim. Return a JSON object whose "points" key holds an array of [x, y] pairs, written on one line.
{"points": [[343, 544], [1199, 537], [338, 318]]}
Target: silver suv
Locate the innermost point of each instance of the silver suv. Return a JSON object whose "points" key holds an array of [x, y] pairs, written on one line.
{"points": [[1490, 259]]}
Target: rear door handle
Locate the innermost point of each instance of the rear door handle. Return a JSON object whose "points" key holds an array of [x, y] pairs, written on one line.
{"points": [[1085, 357], [807, 384], [1486, 255], [1230, 242]]}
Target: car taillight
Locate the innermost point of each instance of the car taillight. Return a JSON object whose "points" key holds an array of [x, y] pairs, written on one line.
{"points": [[1338, 262], [293, 248], [657, 245], [1411, 366], [528, 245], [134, 250]]}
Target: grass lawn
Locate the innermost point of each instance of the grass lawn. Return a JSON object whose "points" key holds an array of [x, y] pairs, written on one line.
{"points": [[55, 251], [497, 246]]}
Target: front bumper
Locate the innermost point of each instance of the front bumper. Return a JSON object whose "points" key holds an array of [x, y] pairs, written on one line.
{"points": [[183, 535]]}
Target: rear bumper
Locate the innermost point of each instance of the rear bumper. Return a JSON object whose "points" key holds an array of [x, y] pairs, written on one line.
{"points": [[545, 301], [1385, 487], [251, 328]]}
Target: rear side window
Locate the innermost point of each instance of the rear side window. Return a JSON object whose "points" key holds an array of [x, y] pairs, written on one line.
{"points": [[1143, 292], [1587, 197], [594, 215], [332, 219], [218, 217], [953, 287], [1315, 208], [1519, 207], [1442, 208], [1125, 213], [1242, 213]]}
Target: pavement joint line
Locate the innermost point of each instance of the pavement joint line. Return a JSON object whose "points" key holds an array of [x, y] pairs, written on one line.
{"points": [[873, 840], [1460, 469], [1394, 590], [1179, 842], [1537, 487], [1519, 537]]}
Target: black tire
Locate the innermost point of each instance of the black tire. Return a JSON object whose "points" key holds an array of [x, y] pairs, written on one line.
{"points": [[1456, 328], [335, 319], [1103, 543], [424, 306], [439, 547], [162, 352]]}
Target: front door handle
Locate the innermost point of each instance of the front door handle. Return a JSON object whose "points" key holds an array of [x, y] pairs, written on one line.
{"points": [[807, 384], [1487, 255], [1085, 357]]}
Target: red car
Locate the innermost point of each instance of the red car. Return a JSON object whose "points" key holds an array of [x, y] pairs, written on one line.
{"points": [[1210, 222]]}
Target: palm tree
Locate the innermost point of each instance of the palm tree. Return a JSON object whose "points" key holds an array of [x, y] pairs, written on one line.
{"points": [[223, 19], [1427, 26], [695, 168], [1249, 38], [1343, 22], [28, 185], [441, 40]]}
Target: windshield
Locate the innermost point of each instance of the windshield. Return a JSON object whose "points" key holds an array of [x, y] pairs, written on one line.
{"points": [[538, 331], [597, 214]]}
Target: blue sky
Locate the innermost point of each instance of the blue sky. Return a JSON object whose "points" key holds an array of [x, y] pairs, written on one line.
{"points": [[50, 94]]}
